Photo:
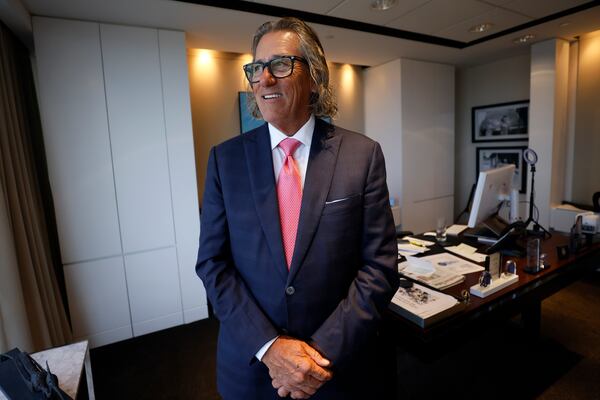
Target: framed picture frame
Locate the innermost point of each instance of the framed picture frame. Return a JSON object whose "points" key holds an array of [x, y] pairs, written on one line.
{"points": [[493, 157], [500, 122], [247, 121]]}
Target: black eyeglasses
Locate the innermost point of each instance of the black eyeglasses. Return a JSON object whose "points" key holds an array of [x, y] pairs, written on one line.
{"points": [[280, 67]]}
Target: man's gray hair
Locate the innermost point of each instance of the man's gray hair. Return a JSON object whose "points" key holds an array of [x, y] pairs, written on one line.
{"points": [[322, 103]]}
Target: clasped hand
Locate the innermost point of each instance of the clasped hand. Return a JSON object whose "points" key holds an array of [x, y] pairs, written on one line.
{"points": [[296, 368]]}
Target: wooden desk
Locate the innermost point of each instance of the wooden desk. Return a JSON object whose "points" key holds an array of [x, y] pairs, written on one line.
{"points": [[523, 297]]}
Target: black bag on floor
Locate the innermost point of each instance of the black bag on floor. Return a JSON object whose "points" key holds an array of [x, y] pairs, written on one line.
{"points": [[22, 378]]}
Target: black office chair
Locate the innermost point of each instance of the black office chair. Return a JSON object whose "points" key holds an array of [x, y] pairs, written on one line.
{"points": [[596, 202]]}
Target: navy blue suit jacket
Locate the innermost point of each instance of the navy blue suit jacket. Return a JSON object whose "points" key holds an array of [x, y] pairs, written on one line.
{"points": [[343, 270]]}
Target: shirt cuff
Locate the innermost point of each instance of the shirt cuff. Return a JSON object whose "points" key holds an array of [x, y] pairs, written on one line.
{"points": [[261, 352]]}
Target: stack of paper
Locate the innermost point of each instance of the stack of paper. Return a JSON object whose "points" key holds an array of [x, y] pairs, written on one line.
{"points": [[466, 251], [422, 305], [439, 270], [410, 246]]}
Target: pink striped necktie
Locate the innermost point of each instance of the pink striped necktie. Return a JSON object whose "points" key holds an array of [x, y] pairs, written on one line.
{"points": [[289, 195]]}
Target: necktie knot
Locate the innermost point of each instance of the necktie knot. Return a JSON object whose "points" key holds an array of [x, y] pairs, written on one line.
{"points": [[289, 146]]}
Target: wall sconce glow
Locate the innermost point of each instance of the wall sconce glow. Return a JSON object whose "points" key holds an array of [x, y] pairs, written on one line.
{"points": [[524, 39], [204, 62], [347, 80], [205, 56], [486, 26], [383, 5], [246, 58]]}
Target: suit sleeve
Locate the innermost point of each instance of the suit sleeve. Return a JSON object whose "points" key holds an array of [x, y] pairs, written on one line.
{"points": [[356, 318], [232, 302]]}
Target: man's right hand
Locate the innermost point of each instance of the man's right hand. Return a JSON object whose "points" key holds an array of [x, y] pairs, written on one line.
{"points": [[296, 368]]}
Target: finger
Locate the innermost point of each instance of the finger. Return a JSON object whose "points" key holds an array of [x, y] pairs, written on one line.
{"points": [[299, 394], [276, 383], [320, 373], [282, 392], [307, 367], [317, 357]]}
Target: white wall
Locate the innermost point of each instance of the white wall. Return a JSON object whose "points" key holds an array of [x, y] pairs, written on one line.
{"points": [[586, 160], [409, 109], [497, 82], [383, 119], [548, 122]]}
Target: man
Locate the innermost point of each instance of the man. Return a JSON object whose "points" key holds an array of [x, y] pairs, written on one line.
{"points": [[297, 250]]}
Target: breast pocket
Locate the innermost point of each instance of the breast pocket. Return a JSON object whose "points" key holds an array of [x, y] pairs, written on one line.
{"points": [[342, 205]]}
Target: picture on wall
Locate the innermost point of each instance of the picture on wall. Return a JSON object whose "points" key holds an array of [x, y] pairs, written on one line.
{"points": [[494, 157], [247, 121], [500, 122]]}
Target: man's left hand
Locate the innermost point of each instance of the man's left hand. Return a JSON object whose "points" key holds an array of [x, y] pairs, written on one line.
{"points": [[296, 368]]}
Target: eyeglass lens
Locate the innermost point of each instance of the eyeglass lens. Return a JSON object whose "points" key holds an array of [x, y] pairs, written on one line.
{"points": [[278, 67]]}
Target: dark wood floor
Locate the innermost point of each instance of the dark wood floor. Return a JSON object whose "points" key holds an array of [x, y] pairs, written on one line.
{"points": [[179, 363]]}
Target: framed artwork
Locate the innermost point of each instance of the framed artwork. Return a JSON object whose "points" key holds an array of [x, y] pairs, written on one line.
{"points": [[247, 121], [494, 157], [500, 122]]}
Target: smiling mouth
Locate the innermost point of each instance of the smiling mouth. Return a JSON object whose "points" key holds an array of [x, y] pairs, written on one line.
{"points": [[271, 96]]}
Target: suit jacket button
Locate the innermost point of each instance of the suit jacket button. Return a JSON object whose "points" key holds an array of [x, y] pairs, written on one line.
{"points": [[290, 290]]}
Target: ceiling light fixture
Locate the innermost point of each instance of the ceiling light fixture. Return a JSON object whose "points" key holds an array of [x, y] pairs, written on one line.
{"points": [[524, 39], [383, 5], [486, 26]]}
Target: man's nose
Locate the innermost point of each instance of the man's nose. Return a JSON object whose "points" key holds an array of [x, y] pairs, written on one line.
{"points": [[266, 78]]}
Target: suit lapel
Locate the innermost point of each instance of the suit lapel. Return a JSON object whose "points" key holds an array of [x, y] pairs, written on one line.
{"points": [[321, 165], [262, 181]]}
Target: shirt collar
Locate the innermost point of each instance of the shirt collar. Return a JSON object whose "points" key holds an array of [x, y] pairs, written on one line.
{"points": [[304, 134]]}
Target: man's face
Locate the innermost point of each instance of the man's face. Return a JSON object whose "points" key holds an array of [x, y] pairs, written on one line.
{"points": [[283, 102]]}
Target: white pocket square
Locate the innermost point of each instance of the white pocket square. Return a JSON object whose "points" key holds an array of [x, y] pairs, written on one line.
{"points": [[337, 200]]}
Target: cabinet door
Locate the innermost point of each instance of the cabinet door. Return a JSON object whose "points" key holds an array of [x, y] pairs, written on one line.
{"points": [[98, 301], [73, 111], [137, 132], [182, 170], [154, 296]]}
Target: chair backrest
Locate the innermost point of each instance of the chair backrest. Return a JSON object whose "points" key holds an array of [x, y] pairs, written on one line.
{"points": [[596, 201]]}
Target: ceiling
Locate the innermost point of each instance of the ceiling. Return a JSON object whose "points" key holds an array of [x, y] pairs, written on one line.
{"points": [[351, 32]]}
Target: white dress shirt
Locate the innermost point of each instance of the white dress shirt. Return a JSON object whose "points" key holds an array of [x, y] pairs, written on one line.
{"points": [[304, 136]]}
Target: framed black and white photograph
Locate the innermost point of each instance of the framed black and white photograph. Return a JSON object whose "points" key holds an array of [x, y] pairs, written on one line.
{"points": [[494, 157], [500, 122]]}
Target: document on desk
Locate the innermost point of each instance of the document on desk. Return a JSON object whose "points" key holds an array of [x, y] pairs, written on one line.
{"points": [[450, 262], [422, 305], [438, 279], [466, 251]]}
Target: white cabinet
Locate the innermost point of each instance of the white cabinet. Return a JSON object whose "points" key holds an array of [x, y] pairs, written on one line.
{"points": [[155, 273], [98, 300], [137, 134], [75, 126], [117, 128]]}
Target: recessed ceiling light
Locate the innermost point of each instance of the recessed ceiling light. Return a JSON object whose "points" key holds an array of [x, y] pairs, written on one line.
{"points": [[486, 26], [524, 39], [382, 5]]}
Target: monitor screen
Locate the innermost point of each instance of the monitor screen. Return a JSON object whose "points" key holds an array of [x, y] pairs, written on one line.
{"points": [[493, 188]]}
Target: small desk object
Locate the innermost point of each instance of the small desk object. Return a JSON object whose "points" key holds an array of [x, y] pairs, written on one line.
{"points": [[67, 362]]}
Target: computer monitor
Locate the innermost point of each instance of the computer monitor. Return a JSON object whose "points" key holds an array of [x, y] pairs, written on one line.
{"points": [[493, 188]]}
